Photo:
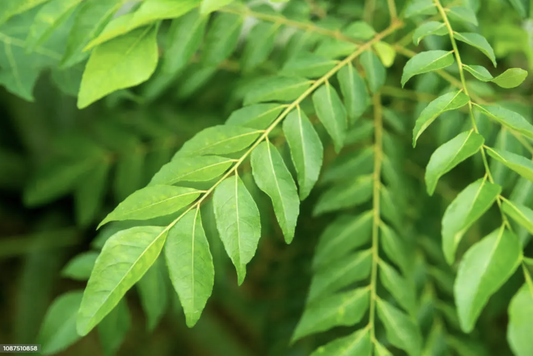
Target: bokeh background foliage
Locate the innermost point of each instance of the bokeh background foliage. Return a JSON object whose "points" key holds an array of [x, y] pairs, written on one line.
{"points": [[62, 170]]}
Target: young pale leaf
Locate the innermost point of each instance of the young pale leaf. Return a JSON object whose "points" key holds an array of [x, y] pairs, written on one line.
{"points": [[331, 113], [209, 6], [521, 321], [340, 273], [276, 89], [508, 118], [478, 41], [375, 71], [258, 116], [308, 65], [346, 195], [191, 169], [113, 329], [428, 29], [463, 14], [91, 17], [259, 44], [306, 150], [425, 62], [342, 309], [125, 258], [354, 92], [517, 163], [80, 267], [400, 288], [385, 52], [519, 213], [450, 101], [218, 140], [342, 236], [190, 265], [511, 78], [58, 330], [48, 19], [238, 222], [153, 293], [358, 343], [273, 178], [402, 332], [151, 202], [420, 7], [221, 39], [449, 155], [183, 39], [485, 267], [466, 209], [120, 63]]}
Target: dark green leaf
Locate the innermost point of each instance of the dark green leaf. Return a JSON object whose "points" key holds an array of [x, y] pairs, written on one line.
{"points": [[375, 71], [153, 293], [478, 41], [221, 39], [331, 113], [358, 343], [420, 7], [519, 213], [308, 65], [80, 267], [425, 62], [399, 287], [354, 92], [428, 29], [259, 44], [113, 329], [517, 163], [402, 332], [521, 321], [345, 195], [463, 14]]}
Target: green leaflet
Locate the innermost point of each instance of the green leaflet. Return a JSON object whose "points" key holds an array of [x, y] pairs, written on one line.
{"points": [[80, 267], [354, 92], [420, 7], [58, 330], [306, 150], [9, 8], [520, 6], [342, 236], [221, 39], [427, 29], [151, 202], [113, 329], [333, 48], [350, 166], [395, 249], [331, 113], [402, 332], [359, 30], [117, 64], [375, 71], [153, 293], [342, 309], [507, 118], [519, 213], [209, 6], [125, 258], [380, 350], [183, 39], [148, 13], [89, 194], [276, 88], [466, 209], [90, 19], [191, 169], [449, 155], [339, 274], [218, 140], [485, 267], [259, 44], [478, 41], [479, 72], [385, 52], [258, 116], [190, 265], [521, 321], [345, 195], [463, 14], [128, 175], [273, 178], [399, 287], [49, 17], [517, 163], [308, 65], [449, 101], [358, 343], [425, 62], [511, 78], [238, 222]]}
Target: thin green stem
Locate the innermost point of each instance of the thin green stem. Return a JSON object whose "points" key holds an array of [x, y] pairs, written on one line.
{"points": [[378, 158], [392, 10], [370, 6]]}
